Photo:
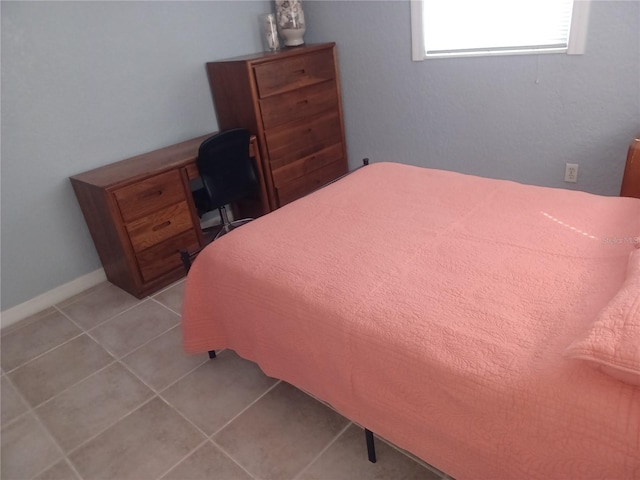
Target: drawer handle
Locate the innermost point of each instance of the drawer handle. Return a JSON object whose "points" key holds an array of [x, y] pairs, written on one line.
{"points": [[162, 225], [303, 102], [152, 193], [302, 71]]}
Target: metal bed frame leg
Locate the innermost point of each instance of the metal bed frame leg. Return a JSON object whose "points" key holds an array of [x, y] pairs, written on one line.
{"points": [[371, 448], [186, 260]]}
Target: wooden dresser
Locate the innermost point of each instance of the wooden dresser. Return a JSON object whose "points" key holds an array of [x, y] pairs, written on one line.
{"points": [[291, 101], [140, 213]]}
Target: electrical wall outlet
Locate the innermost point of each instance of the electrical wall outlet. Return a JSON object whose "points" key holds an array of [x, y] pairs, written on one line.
{"points": [[571, 173]]}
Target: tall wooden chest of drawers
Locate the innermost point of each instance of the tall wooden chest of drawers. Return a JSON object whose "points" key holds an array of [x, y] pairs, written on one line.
{"points": [[291, 101]]}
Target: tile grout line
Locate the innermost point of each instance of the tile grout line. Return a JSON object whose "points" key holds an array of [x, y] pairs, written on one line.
{"points": [[157, 391], [191, 452], [118, 360], [101, 369], [278, 382], [177, 324], [31, 411], [83, 331], [230, 457], [324, 450], [84, 294], [139, 302], [31, 360], [64, 342], [181, 377], [118, 419], [207, 437], [155, 394], [72, 467], [153, 299], [166, 402], [165, 388], [120, 357], [30, 319], [168, 287], [222, 449], [87, 331]]}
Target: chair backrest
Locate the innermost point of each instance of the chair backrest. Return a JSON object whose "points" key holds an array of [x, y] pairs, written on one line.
{"points": [[227, 170]]}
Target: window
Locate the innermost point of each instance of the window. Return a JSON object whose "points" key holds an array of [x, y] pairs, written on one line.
{"points": [[447, 28]]}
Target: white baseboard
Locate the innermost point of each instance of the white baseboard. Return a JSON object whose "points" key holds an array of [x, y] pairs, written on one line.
{"points": [[50, 298]]}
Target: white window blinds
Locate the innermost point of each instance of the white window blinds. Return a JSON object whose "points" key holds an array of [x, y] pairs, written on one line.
{"points": [[485, 27]]}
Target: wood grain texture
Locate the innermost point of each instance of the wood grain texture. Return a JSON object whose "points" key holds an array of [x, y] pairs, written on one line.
{"points": [[291, 101], [631, 178], [140, 213]]}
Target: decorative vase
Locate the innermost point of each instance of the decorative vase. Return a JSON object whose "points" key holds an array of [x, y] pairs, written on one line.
{"points": [[291, 21], [270, 32]]}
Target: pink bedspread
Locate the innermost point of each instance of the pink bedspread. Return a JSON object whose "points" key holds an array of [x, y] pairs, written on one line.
{"points": [[434, 308]]}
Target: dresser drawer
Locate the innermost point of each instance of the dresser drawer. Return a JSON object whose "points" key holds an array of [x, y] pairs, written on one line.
{"points": [[142, 198], [165, 256], [294, 72], [158, 226], [298, 104], [290, 144], [306, 165], [307, 184]]}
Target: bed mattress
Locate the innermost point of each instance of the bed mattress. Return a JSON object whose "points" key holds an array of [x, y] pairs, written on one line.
{"points": [[435, 309]]}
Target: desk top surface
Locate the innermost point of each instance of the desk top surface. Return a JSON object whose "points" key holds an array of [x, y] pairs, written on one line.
{"points": [[130, 169]]}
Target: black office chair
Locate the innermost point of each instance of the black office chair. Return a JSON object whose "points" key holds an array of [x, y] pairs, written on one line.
{"points": [[228, 175]]}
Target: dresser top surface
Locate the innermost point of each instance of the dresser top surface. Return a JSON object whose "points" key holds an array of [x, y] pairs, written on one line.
{"points": [[278, 54]]}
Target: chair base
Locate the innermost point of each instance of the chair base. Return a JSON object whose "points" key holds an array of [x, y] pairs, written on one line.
{"points": [[188, 257], [227, 227]]}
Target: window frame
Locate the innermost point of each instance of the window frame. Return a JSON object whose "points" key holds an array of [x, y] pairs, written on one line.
{"points": [[577, 36]]}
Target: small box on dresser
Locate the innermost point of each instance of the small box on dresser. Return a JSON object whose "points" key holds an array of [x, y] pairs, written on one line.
{"points": [[291, 101]]}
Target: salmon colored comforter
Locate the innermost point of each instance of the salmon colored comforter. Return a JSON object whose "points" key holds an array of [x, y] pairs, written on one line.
{"points": [[435, 309]]}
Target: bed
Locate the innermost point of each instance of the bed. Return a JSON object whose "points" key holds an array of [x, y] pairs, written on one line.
{"points": [[488, 327]]}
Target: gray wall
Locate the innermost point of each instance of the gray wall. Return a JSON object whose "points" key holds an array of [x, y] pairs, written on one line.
{"points": [[89, 83], [514, 117]]}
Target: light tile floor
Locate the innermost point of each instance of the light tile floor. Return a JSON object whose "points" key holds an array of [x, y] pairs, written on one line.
{"points": [[98, 387]]}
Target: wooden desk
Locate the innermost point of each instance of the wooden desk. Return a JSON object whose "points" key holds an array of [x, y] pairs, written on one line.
{"points": [[140, 212]]}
